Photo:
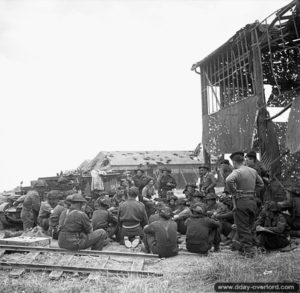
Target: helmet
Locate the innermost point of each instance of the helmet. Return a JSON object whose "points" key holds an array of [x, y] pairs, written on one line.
{"points": [[105, 202], [77, 197], [197, 208], [54, 194], [204, 166]]}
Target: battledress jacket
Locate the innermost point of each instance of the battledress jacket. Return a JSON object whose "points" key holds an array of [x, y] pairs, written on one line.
{"points": [[73, 224]]}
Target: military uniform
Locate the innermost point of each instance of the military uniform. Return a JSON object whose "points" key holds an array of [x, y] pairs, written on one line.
{"points": [[242, 183], [200, 233], [44, 215], [180, 215], [132, 218], [165, 184], [104, 219], [75, 229], [161, 238], [54, 220], [207, 183], [278, 227], [30, 209], [140, 181]]}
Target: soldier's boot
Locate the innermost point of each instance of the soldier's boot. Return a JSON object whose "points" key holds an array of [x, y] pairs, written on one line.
{"points": [[127, 242], [135, 242]]}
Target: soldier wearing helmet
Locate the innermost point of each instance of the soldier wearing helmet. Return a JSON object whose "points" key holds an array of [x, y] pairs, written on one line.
{"points": [[75, 228], [47, 207], [161, 235]]}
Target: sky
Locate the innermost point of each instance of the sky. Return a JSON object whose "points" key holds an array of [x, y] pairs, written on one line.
{"points": [[78, 77]]}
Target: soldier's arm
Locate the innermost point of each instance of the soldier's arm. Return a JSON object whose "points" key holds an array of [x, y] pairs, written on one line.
{"points": [[261, 219], [259, 184], [213, 182], [149, 229], [213, 223], [145, 218], [86, 223], [112, 218], [231, 182]]}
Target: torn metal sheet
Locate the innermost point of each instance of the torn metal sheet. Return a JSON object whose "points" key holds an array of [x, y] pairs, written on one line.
{"points": [[231, 129], [293, 129]]}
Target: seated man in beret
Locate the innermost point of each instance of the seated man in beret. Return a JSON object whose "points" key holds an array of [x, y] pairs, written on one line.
{"points": [[161, 236], [75, 228]]}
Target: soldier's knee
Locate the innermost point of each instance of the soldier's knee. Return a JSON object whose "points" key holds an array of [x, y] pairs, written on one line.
{"points": [[100, 233]]}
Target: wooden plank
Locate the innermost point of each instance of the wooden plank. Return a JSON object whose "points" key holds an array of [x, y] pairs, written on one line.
{"points": [[137, 264], [65, 260], [77, 252], [95, 275], [25, 240], [45, 267], [18, 272]]}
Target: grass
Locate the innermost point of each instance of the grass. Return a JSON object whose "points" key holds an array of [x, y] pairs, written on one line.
{"points": [[201, 276]]}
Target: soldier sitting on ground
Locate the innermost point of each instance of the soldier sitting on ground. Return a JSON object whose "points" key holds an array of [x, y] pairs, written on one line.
{"points": [[201, 231], [181, 214], [161, 236], [271, 228], [103, 218], [131, 219], [54, 216], [225, 216], [292, 204], [53, 197], [75, 228]]}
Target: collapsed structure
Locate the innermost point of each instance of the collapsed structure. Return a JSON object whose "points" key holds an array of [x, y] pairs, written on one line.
{"points": [[234, 79]]}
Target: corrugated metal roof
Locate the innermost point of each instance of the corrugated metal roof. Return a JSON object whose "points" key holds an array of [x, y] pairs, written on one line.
{"points": [[135, 158]]}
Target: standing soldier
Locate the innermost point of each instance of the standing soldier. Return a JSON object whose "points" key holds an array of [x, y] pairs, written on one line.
{"points": [[75, 228], [140, 179], [207, 180], [225, 170], [242, 183], [165, 183]]}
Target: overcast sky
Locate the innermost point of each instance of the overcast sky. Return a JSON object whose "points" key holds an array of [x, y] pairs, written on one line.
{"points": [[78, 77]]}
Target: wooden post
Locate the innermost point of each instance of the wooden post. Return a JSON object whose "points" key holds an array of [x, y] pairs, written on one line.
{"points": [[204, 109]]}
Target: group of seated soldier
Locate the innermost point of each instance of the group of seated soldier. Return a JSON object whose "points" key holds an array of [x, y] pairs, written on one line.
{"points": [[134, 214]]}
